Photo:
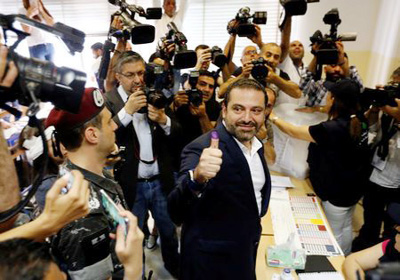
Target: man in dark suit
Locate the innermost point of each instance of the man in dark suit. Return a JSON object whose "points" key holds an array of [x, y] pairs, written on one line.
{"points": [[146, 176], [223, 190]]}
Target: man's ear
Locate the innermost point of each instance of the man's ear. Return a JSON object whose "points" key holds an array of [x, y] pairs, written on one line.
{"points": [[92, 134], [118, 77], [223, 110]]}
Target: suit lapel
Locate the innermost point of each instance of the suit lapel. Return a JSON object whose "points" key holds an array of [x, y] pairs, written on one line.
{"points": [[236, 154]]}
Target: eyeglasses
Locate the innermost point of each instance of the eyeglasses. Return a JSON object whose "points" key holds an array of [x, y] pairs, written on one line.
{"points": [[130, 75]]}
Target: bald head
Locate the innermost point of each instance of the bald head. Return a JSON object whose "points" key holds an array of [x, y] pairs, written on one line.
{"points": [[272, 53], [296, 50], [249, 53]]}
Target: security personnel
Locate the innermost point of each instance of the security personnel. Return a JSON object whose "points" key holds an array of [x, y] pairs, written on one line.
{"points": [[88, 137]]}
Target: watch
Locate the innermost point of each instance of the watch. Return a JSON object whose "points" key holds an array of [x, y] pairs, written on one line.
{"points": [[193, 184]]}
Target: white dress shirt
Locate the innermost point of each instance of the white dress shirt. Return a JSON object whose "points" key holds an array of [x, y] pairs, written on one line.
{"points": [[256, 167], [143, 131]]}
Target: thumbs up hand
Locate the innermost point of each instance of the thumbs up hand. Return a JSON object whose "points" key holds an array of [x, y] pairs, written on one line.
{"points": [[210, 161]]}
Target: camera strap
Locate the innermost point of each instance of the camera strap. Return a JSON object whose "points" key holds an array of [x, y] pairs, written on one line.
{"points": [[388, 130]]}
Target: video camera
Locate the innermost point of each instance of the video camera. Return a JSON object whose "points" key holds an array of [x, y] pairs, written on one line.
{"points": [[296, 7], [381, 97], [41, 80], [137, 32], [259, 70], [328, 52], [181, 57], [195, 96], [245, 28]]}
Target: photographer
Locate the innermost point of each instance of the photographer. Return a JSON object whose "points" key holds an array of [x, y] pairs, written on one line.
{"points": [[292, 53], [314, 90], [197, 119], [170, 15], [384, 183], [276, 78], [337, 157], [370, 258], [146, 175]]}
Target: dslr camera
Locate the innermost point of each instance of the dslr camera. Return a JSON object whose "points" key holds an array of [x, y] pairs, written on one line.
{"points": [[156, 80], [181, 57], [217, 57], [41, 80], [381, 97], [134, 30], [195, 96], [259, 71], [328, 52], [245, 28]]}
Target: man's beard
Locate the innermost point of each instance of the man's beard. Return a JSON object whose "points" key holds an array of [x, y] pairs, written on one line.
{"points": [[240, 134], [333, 78]]}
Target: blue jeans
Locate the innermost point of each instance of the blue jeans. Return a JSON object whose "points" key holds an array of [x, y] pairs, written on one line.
{"points": [[149, 196], [42, 51]]}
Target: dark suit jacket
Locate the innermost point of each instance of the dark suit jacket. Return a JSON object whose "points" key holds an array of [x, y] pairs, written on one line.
{"points": [[126, 175], [221, 229]]}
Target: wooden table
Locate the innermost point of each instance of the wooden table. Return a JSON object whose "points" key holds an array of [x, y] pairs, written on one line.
{"points": [[264, 272]]}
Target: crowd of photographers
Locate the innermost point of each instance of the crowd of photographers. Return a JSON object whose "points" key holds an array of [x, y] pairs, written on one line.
{"points": [[116, 157]]}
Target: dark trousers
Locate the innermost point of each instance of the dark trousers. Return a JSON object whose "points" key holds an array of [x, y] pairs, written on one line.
{"points": [[375, 203]]}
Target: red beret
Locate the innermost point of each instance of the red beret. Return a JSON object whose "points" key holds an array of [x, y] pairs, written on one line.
{"points": [[91, 105]]}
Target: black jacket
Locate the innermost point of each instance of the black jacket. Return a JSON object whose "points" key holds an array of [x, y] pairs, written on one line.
{"points": [[126, 175]]}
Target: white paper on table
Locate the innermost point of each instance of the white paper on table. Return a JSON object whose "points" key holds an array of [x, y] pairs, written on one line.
{"points": [[281, 182]]}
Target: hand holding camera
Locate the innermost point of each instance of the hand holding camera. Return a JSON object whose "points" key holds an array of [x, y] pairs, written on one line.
{"points": [[180, 99], [199, 111], [204, 59], [246, 69], [256, 38], [136, 101], [157, 115]]}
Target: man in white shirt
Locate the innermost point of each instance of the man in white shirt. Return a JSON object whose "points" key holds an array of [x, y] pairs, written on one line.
{"points": [[170, 15], [146, 175]]}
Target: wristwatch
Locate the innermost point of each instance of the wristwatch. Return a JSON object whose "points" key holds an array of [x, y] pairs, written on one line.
{"points": [[193, 184]]}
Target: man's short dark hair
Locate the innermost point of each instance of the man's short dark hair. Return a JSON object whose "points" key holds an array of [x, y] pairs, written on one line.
{"points": [[206, 73], [97, 46], [23, 259], [128, 57], [72, 138], [244, 83], [201, 47]]}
